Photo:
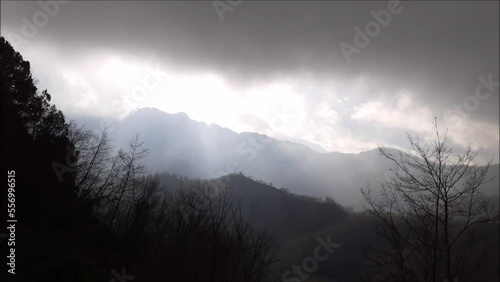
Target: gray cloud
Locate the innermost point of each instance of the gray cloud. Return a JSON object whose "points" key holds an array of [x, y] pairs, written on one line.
{"points": [[433, 50]]}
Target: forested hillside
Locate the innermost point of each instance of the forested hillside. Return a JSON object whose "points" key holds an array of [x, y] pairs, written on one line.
{"points": [[86, 212]]}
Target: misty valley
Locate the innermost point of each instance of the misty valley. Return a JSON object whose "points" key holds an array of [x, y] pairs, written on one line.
{"points": [[169, 198], [249, 141]]}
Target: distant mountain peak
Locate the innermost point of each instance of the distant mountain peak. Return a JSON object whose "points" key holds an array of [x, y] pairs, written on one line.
{"points": [[182, 115], [313, 146], [148, 110], [157, 112]]}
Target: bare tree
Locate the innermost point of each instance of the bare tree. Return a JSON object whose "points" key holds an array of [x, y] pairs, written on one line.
{"points": [[429, 210], [201, 234], [130, 169], [202, 237], [94, 156]]}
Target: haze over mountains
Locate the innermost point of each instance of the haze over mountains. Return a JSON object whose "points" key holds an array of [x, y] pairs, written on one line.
{"points": [[182, 146], [250, 141]]}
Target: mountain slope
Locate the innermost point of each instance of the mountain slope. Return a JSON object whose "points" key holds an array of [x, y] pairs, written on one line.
{"points": [[180, 145], [284, 215]]}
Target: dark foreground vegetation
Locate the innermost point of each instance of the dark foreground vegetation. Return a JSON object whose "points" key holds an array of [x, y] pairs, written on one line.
{"points": [[85, 210], [90, 212]]}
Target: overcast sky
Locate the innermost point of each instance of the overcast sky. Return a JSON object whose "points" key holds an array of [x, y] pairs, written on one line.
{"points": [[286, 69]]}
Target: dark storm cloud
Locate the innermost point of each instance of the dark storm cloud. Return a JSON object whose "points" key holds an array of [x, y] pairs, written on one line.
{"points": [[440, 47], [434, 50]]}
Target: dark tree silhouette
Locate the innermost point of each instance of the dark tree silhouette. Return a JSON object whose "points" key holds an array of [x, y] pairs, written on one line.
{"points": [[34, 136], [85, 208], [430, 211], [26, 111]]}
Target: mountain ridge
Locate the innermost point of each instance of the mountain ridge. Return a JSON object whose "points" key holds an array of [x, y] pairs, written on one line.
{"points": [[180, 145]]}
